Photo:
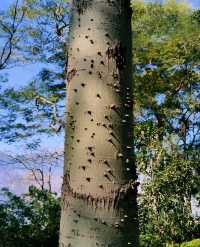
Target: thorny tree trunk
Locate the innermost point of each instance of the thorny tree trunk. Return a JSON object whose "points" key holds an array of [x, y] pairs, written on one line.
{"points": [[99, 188]]}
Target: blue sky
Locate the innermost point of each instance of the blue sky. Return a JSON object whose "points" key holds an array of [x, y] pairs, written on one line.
{"points": [[194, 3], [5, 3]]}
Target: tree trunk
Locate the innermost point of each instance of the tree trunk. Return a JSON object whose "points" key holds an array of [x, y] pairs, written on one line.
{"points": [[99, 188]]}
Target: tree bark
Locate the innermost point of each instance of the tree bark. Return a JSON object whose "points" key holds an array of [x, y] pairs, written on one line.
{"points": [[99, 189]]}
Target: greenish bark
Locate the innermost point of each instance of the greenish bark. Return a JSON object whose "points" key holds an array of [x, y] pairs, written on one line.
{"points": [[99, 188]]}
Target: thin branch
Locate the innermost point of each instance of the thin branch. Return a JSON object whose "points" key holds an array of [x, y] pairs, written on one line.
{"points": [[55, 119], [8, 46]]}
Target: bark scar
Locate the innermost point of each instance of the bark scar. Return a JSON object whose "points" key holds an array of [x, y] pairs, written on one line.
{"points": [[81, 5], [117, 53], [124, 192], [71, 74]]}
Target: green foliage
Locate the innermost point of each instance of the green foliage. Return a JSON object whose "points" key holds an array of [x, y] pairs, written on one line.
{"points": [[193, 243], [10, 28], [30, 220], [43, 34], [166, 54]]}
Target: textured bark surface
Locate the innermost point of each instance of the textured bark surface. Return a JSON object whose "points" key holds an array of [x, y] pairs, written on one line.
{"points": [[99, 187]]}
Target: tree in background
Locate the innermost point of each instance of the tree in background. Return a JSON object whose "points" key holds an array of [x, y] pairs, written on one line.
{"points": [[10, 24], [166, 79], [38, 167], [99, 188], [30, 220], [42, 39]]}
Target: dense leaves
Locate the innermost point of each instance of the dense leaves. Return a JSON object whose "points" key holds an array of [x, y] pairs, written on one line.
{"points": [[166, 55], [30, 220], [43, 39]]}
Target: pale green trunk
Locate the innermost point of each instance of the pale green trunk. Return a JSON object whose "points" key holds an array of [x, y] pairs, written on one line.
{"points": [[99, 188]]}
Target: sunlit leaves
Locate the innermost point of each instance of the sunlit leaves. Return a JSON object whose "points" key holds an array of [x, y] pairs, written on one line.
{"points": [[166, 81]]}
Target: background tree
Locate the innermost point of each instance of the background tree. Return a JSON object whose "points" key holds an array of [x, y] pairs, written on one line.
{"points": [[10, 26], [39, 167], [166, 81], [43, 34], [30, 220]]}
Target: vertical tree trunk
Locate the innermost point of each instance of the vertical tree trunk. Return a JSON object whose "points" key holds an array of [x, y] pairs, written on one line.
{"points": [[99, 187]]}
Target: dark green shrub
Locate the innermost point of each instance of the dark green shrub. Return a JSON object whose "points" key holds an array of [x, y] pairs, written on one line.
{"points": [[30, 220]]}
